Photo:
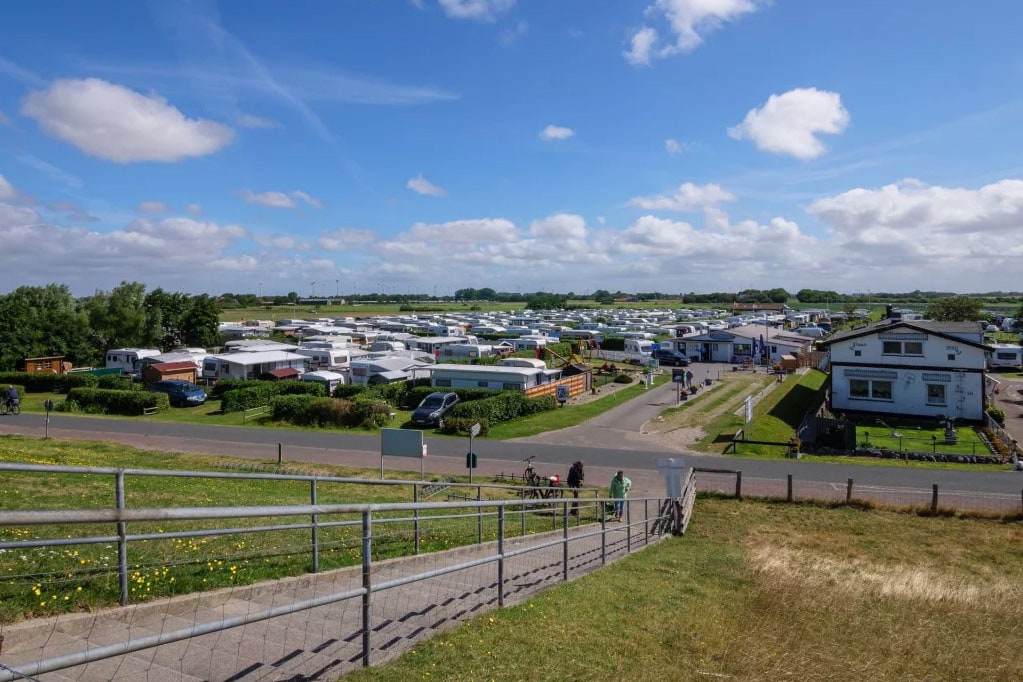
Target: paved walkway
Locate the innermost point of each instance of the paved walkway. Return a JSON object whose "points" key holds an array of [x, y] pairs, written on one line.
{"points": [[321, 643]]}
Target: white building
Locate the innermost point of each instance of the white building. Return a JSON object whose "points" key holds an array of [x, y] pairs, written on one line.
{"points": [[497, 377], [909, 367]]}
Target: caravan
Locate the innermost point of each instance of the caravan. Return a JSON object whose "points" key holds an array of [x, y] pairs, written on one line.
{"points": [[332, 359], [1005, 355], [129, 360]]}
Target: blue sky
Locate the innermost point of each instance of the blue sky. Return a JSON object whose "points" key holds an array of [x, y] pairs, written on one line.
{"points": [[563, 145]]}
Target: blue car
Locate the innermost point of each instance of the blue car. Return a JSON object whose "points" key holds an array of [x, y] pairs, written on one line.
{"points": [[433, 408], [181, 393]]}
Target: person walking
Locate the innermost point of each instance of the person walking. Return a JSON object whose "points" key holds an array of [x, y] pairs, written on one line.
{"points": [[575, 480], [620, 486]]}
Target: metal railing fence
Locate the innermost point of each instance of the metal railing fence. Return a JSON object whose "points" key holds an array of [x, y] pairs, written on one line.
{"points": [[369, 517]]}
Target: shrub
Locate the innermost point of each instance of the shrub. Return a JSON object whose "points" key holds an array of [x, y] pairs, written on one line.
{"points": [[128, 403], [416, 395], [623, 379], [117, 382], [997, 413], [49, 383], [461, 425], [257, 393], [349, 390], [305, 410], [502, 407]]}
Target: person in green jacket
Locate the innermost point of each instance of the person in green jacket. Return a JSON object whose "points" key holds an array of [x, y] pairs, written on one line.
{"points": [[620, 486]]}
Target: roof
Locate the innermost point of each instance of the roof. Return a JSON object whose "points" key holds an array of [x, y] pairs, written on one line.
{"points": [[260, 357], [166, 367], [947, 330], [322, 375], [477, 370], [284, 372]]}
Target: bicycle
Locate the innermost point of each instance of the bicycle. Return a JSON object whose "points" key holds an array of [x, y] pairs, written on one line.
{"points": [[540, 487], [529, 476], [10, 407]]}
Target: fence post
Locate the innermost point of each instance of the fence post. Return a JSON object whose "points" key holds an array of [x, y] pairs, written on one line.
{"points": [[564, 542], [628, 527], [934, 499], [122, 541], [788, 494], [646, 520], [367, 584], [603, 534], [415, 516], [315, 527], [848, 491], [280, 455], [738, 485], [479, 514], [500, 557]]}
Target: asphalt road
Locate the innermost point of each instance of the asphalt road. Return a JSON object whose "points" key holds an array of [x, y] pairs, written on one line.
{"points": [[448, 454]]}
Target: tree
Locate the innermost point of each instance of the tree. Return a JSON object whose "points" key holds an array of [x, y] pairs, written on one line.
{"points": [[43, 321], [954, 309], [603, 296], [118, 317], [201, 325]]}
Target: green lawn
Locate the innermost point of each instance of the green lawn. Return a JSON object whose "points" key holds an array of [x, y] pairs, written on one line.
{"points": [[43, 581], [902, 437], [763, 591]]}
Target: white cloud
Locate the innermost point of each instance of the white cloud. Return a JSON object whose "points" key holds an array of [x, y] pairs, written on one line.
{"points": [[553, 132], [688, 197], [689, 21], [421, 185], [117, 124], [211, 235], [255, 122], [789, 123], [674, 147], [640, 46], [464, 231], [510, 36], [562, 227], [346, 239], [280, 199], [194, 209], [58, 174], [6, 189], [153, 207], [478, 10]]}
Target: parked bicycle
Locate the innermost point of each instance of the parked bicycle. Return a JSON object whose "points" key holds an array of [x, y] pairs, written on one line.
{"points": [[540, 487]]}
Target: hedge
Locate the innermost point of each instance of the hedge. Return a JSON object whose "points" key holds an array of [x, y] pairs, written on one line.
{"points": [[108, 401], [507, 405], [49, 383], [416, 395], [304, 410], [259, 393]]}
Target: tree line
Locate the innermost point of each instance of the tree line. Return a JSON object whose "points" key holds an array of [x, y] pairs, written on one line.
{"points": [[48, 321]]}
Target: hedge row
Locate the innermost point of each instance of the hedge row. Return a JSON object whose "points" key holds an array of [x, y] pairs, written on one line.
{"points": [[262, 392], [49, 383], [502, 407], [304, 410], [108, 401]]}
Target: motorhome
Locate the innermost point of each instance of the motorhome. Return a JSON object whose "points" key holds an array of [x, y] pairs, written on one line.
{"points": [[1005, 355], [128, 360]]}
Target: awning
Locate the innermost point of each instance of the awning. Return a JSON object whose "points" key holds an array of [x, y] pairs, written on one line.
{"points": [[284, 373]]}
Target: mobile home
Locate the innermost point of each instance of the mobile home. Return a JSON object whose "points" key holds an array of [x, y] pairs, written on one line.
{"points": [[332, 359], [251, 365], [497, 377], [129, 360], [329, 379], [1004, 355]]}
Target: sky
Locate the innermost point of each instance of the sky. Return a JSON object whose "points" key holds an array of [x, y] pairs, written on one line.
{"points": [[423, 146]]}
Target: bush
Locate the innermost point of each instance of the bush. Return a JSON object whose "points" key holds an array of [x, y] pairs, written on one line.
{"points": [[623, 379], [416, 395], [349, 390], [997, 413], [258, 393], [461, 425], [502, 407], [128, 403], [117, 382], [305, 410], [49, 383]]}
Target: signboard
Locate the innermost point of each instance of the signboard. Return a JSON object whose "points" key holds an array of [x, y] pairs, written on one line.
{"points": [[678, 378], [474, 430], [401, 443], [563, 393], [749, 409], [655, 346], [671, 468]]}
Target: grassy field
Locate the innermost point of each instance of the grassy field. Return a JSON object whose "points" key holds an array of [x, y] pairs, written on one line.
{"points": [[43, 581], [760, 591], [900, 437]]}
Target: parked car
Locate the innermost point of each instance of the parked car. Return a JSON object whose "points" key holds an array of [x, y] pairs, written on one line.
{"points": [[433, 408], [181, 393], [671, 357]]}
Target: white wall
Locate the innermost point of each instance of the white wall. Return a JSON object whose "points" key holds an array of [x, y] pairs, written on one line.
{"points": [[964, 392]]}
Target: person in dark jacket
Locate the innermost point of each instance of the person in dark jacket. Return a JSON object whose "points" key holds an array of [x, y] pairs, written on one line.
{"points": [[575, 480]]}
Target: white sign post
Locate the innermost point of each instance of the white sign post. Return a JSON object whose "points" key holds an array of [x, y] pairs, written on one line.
{"points": [[671, 468]]}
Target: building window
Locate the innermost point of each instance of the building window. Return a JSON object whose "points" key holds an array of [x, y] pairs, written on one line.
{"points": [[951, 356], [511, 387], [481, 384], [902, 348], [442, 382], [867, 389], [857, 353], [936, 394]]}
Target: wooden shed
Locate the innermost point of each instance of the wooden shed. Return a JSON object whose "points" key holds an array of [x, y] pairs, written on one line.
{"points": [[53, 364], [169, 370], [788, 363]]}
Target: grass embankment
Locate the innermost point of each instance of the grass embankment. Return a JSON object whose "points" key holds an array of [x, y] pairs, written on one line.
{"points": [[758, 591], [43, 581]]}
